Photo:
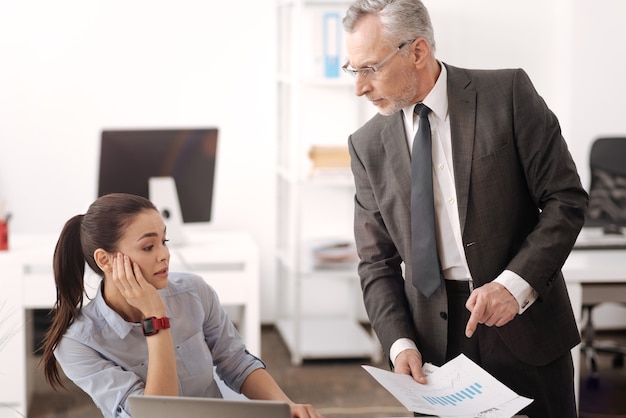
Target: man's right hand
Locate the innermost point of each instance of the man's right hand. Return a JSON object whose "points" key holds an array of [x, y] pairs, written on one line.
{"points": [[410, 362]]}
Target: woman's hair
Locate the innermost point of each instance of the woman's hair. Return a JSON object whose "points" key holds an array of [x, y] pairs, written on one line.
{"points": [[102, 226], [402, 20]]}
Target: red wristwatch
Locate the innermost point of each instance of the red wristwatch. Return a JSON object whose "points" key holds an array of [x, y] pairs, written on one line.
{"points": [[152, 325]]}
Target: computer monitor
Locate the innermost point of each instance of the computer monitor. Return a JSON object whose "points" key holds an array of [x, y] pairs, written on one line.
{"points": [[174, 168]]}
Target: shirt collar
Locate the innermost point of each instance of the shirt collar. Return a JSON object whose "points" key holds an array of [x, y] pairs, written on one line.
{"points": [[436, 99], [121, 327]]}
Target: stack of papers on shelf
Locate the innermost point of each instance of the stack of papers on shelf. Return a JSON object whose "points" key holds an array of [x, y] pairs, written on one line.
{"points": [[334, 254], [459, 388]]}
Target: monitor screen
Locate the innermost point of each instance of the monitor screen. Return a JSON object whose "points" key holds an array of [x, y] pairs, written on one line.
{"points": [[129, 158]]}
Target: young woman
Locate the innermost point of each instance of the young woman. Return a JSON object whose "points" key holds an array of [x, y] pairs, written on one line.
{"points": [[147, 331]]}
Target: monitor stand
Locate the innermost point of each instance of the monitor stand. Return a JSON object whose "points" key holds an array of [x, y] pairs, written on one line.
{"points": [[162, 192]]}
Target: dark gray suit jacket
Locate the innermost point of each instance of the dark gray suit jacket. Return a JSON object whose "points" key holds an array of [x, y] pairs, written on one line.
{"points": [[521, 207]]}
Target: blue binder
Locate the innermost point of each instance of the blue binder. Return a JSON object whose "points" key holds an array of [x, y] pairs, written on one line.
{"points": [[332, 47]]}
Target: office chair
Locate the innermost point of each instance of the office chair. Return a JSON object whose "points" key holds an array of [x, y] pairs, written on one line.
{"points": [[607, 209]]}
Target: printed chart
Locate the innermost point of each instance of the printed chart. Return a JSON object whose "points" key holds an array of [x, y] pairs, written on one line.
{"points": [[459, 388], [470, 392]]}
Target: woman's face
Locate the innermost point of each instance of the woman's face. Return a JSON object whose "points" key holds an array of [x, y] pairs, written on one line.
{"points": [[146, 244]]}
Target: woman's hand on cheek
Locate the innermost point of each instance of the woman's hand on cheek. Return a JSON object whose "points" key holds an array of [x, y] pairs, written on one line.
{"points": [[134, 288]]}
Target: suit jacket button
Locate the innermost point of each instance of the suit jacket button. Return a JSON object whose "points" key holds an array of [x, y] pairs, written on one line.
{"points": [[444, 315]]}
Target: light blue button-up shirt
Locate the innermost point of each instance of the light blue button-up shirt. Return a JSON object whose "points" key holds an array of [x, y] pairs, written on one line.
{"points": [[107, 357]]}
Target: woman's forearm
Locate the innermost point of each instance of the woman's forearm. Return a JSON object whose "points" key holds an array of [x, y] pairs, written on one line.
{"points": [[260, 385], [162, 378]]}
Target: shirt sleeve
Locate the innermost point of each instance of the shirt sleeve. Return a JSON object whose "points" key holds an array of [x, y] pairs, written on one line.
{"points": [[232, 360], [519, 288], [107, 383], [399, 346]]}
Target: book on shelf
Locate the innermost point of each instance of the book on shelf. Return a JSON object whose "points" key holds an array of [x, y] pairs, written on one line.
{"points": [[330, 156]]}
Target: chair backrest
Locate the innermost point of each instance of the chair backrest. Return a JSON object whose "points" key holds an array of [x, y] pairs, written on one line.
{"points": [[607, 191], [609, 154]]}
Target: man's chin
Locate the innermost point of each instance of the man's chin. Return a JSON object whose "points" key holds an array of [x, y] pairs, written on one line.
{"points": [[387, 108], [386, 111], [383, 110]]}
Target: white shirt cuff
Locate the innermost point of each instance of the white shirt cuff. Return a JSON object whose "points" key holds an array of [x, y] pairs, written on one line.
{"points": [[399, 346], [519, 288]]}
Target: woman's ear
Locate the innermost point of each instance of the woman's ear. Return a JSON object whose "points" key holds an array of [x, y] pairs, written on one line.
{"points": [[104, 260]]}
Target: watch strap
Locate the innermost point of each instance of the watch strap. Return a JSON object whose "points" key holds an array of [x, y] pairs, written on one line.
{"points": [[152, 325]]}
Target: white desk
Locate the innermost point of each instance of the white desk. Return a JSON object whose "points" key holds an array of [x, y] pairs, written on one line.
{"points": [[228, 261], [593, 275]]}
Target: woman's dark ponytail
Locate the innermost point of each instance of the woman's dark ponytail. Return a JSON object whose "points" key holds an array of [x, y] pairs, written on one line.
{"points": [[69, 273]]}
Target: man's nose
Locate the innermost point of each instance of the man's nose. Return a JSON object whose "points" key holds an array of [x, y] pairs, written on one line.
{"points": [[361, 85]]}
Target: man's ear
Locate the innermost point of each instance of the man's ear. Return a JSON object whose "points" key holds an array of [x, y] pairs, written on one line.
{"points": [[421, 52], [104, 260]]}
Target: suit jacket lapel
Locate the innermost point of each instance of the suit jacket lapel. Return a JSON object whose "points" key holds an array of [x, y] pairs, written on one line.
{"points": [[394, 141], [462, 110]]}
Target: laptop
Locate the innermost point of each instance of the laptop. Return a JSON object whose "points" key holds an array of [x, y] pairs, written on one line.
{"points": [[180, 406]]}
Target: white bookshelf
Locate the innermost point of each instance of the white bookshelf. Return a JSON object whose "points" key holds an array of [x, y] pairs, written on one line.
{"points": [[319, 310]]}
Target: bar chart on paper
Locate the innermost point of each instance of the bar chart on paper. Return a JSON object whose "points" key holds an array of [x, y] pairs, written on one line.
{"points": [[453, 399], [459, 388]]}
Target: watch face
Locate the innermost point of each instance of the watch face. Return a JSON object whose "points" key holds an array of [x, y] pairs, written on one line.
{"points": [[148, 326]]}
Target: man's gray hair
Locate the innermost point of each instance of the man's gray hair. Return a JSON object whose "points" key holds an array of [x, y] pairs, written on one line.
{"points": [[401, 19]]}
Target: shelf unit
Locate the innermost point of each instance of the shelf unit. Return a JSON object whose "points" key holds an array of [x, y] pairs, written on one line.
{"points": [[318, 308]]}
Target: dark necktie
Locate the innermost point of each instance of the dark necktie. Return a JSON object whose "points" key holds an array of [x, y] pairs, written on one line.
{"points": [[424, 257]]}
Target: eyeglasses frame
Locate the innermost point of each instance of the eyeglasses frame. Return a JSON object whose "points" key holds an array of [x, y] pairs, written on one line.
{"points": [[364, 72]]}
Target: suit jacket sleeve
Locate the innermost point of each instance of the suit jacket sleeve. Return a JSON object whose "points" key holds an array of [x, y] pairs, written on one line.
{"points": [[381, 217]]}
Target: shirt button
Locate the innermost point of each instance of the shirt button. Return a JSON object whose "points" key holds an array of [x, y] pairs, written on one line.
{"points": [[451, 200], [443, 315], [440, 166]]}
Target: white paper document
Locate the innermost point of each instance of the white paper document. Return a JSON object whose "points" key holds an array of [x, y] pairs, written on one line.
{"points": [[459, 388]]}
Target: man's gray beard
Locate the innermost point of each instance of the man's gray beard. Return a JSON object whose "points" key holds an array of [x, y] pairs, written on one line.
{"points": [[403, 100]]}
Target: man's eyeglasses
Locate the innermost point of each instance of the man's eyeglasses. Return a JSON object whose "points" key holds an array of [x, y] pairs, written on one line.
{"points": [[367, 71]]}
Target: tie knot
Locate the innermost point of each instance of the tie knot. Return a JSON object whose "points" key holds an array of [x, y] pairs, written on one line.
{"points": [[421, 110]]}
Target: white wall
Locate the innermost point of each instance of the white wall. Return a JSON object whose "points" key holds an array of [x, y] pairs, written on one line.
{"points": [[598, 68], [70, 68]]}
